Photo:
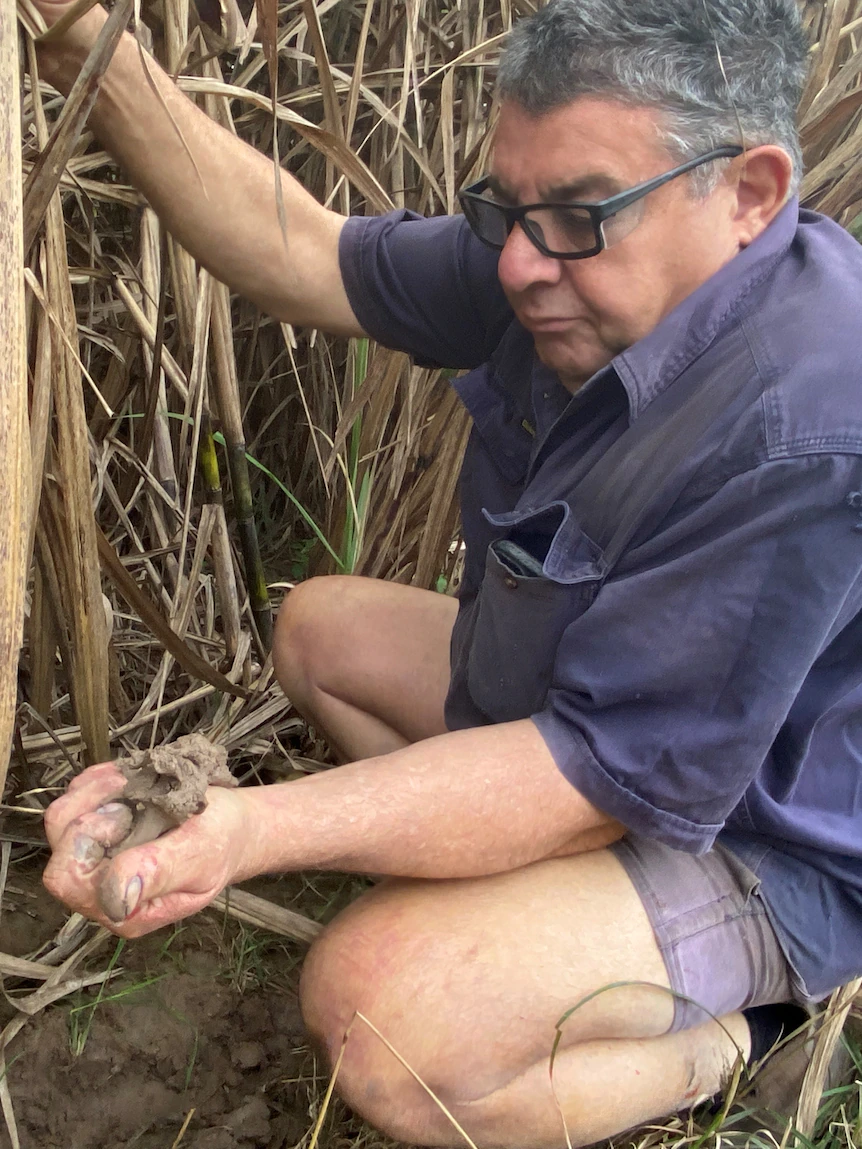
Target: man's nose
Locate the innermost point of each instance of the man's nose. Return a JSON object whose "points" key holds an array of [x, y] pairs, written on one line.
{"points": [[522, 264]]}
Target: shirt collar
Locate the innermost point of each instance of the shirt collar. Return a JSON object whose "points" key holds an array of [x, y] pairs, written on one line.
{"points": [[650, 365]]}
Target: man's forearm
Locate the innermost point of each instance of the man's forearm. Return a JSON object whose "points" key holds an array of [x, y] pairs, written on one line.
{"points": [[469, 803], [222, 206]]}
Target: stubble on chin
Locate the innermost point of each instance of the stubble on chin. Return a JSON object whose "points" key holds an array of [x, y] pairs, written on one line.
{"points": [[573, 371]]}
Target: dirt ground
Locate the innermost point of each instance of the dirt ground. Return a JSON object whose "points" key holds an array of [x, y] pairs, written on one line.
{"points": [[198, 1042], [202, 1018]]}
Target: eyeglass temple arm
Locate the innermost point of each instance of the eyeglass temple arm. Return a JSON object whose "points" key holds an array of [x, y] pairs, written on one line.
{"points": [[617, 202]]}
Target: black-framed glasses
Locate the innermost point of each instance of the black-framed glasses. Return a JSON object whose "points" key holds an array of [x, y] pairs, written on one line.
{"points": [[569, 230]]}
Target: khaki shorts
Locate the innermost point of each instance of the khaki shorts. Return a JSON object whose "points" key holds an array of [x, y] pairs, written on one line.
{"points": [[710, 922]]}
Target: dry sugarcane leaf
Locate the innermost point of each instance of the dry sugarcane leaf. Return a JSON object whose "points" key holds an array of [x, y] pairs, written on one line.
{"points": [[831, 169], [223, 26], [78, 574], [152, 618], [227, 402], [826, 55], [267, 23], [154, 278], [69, 527], [267, 20], [331, 109], [356, 81], [332, 147], [813, 1083], [14, 445], [20, 967], [845, 79], [42, 646], [169, 365], [46, 172], [447, 117], [843, 193], [266, 915], [827, 123], [386, 367], [95, 189], [40, 415], [31, 19]]}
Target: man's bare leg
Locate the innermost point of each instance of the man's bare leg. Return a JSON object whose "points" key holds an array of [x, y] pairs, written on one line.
{"points": [[366, 661], [467, 980]]}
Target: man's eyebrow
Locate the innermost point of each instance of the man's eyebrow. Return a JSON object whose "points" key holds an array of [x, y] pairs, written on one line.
{"points": [[594, 186]]}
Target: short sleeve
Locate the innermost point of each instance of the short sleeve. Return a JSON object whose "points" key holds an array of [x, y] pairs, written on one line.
{"points": [[424, 286], [668, 693]]}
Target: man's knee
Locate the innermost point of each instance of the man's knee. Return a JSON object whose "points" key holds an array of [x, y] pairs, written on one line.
{"points": [[356, 973], [378, 961], [302, 620], [347, 977]]}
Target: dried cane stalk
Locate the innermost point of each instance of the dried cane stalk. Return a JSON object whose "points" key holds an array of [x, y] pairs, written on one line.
{"points": [[14, 447], [67, 526]]}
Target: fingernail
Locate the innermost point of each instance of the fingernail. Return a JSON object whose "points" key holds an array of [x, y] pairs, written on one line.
{"points": [[132, 895], [86, 851], [112, 808]]}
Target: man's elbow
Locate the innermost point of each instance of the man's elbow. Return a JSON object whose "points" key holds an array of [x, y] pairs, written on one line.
{"points": [[593, 838]]}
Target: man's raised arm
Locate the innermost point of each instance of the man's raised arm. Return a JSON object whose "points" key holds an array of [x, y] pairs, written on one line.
{"points": [[224, 212]]}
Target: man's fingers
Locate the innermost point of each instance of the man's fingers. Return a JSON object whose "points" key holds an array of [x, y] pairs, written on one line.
{"points": [[144, 873], [94, 788], [151, 885], [106, 826], [185, 867], [79, 852], [119, 896]]}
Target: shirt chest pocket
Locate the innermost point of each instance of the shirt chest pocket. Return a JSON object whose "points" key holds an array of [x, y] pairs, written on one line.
{"points": [[541, 573]]}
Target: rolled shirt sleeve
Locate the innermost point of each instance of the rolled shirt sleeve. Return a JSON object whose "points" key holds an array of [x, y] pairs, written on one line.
{"points": [[669, 691], [424, 286]]}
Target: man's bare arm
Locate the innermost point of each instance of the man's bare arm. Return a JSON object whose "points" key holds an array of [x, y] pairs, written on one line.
{"points": [[225, 212], [463, 804], [468, 803]]}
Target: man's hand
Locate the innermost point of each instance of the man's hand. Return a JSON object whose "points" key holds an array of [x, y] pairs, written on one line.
{"points": [[213, 193], [156, 883]]}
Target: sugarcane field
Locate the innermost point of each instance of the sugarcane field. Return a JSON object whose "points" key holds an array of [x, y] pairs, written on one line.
{"points": [[431, 448]]}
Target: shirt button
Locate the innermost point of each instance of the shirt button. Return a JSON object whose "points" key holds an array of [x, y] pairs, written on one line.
{"points": [[511, 583]]}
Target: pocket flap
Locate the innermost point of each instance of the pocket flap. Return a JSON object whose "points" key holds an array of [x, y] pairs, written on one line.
{"points": [[553, 538]]}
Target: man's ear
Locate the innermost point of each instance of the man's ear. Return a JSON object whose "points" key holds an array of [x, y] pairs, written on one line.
{"points": [[763, 177]]}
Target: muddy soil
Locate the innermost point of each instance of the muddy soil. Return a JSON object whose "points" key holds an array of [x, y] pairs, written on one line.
{"points": [[205, 1020]]}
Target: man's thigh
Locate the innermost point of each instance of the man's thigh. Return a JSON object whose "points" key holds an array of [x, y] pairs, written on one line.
{"points": [[468, 979], [381, 647]]}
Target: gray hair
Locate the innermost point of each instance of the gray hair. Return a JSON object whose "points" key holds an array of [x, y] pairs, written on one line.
{"points": [[713, 68]]}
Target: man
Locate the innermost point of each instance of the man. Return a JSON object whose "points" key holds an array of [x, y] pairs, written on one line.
{"points": [[640, 760]]}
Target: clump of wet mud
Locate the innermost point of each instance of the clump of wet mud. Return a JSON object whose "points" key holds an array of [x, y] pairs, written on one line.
{"points": [[168, 784]]}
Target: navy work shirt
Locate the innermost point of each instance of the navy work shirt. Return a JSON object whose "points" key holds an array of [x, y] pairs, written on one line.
{"points": [[701, 677]]}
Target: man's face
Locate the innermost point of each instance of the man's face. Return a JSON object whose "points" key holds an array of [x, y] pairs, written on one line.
{"points": [[581, 313]]}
